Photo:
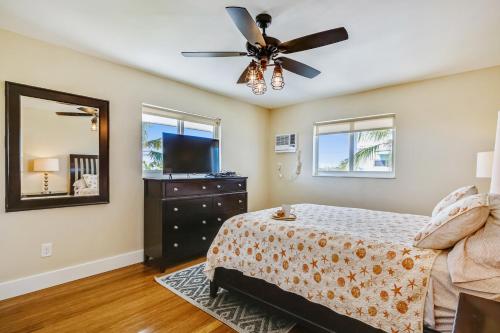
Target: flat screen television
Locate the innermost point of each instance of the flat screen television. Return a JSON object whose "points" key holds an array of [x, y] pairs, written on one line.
{"points": [[189, 154]]}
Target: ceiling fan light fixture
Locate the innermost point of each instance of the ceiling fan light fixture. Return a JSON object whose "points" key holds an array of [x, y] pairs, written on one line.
{"points": [[93, 123], [259, 87], [277, 80], [252, 73]]}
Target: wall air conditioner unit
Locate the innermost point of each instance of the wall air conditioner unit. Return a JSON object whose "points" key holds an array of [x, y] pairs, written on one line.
{"points": [[285, 143]]}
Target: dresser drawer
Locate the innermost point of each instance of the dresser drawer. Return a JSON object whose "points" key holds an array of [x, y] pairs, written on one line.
{"points": [[178, 189], [181, 208], [203, 186], [230, 203], [190, 223], [227, 185], [186, 244]]}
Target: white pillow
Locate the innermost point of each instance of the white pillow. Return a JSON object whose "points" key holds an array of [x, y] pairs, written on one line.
{"points": [[92, 181], [455, 222], [454, 197], [475, 259], [79, 184]]}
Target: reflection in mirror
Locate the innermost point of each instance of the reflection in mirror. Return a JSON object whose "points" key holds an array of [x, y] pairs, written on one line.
{"points": [[59, 149]]}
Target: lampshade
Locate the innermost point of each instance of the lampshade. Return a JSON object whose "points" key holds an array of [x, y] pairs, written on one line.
{"points": [[484, 164], [46, 164]]}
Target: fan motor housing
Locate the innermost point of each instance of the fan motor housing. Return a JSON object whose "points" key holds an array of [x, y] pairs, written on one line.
{"points": [[263, 20]]}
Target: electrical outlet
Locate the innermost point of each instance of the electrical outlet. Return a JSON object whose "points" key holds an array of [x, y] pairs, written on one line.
{"points": [[46, 250]]}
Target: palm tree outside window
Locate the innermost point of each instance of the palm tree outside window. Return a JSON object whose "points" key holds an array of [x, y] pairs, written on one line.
{"points": [[156, 121], [358, 147]]}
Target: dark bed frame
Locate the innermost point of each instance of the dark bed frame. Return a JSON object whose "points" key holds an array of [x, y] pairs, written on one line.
{"points": [[79, 165], [314, 317]]}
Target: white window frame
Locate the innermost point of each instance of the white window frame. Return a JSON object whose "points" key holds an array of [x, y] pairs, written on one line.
{"points": [[181, 117], [354, 173]]}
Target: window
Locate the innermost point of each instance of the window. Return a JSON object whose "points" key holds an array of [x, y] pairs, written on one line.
{"points": [[360, 147], [156, 121]]}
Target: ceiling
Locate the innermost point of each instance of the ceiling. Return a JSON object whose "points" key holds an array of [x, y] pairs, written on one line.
{"points": [[390, 41]]}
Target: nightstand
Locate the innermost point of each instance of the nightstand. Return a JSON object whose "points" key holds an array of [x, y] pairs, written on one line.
{"points": [[476, 315]]}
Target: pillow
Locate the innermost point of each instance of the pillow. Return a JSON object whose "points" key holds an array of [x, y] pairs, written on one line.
{"points": [[91, 180], [79, 184], [454, 197], [453, 223], [476, 258]]}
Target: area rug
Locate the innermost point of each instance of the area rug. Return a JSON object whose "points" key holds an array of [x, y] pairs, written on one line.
{"points": [[240, 313]]}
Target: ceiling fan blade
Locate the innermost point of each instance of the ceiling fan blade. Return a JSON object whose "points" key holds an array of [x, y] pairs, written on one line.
{"points": [[297, 67], [74, 114], [88, 109], [213, 54], [315, 40], [243, 76], [246, 25]]}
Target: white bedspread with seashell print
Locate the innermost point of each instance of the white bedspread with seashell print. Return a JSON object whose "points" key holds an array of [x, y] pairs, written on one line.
{"points": [[357, 262]]}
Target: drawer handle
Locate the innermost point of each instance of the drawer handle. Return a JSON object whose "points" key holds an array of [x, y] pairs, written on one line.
{"points": [[239, 185], [176, 227], [203, 187], [219, 186], [219, 204], [204, 205], [176, 209], [204, 238], [176, 189], [219, 219], [176, 245], [240, 201], [203, 222]]}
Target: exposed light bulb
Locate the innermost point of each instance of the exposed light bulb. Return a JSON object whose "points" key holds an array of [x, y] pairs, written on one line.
{"points": [[252, 73], [277, 81], [259, 87], [93, 124]]}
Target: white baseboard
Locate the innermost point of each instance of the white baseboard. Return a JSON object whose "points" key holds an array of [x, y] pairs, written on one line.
{"points": [[44, 280]]}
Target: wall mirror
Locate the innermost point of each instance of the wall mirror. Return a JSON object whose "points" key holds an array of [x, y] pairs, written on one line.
{"points": [[56, 149]]}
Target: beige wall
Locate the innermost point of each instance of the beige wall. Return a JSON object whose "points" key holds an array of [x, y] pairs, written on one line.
{"points": [[81, 234], [441, 125]]}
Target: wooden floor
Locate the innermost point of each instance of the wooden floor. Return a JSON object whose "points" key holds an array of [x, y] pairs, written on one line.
{"points": [[123, 300]]}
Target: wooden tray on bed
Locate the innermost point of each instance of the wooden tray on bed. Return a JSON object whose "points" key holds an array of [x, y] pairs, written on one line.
{"points": [[291, 217]]}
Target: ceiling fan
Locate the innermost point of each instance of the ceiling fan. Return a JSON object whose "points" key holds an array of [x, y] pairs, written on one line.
{"points": [[87, 112], [266, 50]]}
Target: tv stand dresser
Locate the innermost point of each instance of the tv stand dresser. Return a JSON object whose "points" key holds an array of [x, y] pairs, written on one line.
{"points": [[183, 216]]}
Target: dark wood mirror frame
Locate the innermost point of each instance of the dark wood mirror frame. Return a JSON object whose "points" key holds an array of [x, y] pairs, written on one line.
{"points": [[13, 202]]}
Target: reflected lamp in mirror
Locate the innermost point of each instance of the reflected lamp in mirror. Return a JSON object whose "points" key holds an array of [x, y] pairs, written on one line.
{"points": [[46, 165], [484, 164]]}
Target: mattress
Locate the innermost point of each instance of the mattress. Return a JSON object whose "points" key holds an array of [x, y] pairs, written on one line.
{"points": [[357, 262]]}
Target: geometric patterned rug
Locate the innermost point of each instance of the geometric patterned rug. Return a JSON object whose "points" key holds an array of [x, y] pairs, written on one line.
{"points": [[237, 311]]}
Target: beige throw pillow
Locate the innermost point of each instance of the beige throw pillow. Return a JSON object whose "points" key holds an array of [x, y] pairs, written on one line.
{"points": [[453, 223], [92, 181], [453, 197], [477, 257]]}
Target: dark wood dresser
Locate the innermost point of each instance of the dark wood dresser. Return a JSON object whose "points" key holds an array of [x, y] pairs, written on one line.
{"points": [[182, 216]]}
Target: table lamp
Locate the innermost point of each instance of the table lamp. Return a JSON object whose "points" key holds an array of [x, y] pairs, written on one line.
{"points": [[46, 165], [484, 164]]}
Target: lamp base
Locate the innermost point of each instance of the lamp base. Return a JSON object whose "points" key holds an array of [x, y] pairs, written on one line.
{"points": [[45, 183]]}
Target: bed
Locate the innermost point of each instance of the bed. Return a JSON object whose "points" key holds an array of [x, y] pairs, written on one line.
{"points": [[80, 165], [335, 269]]}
